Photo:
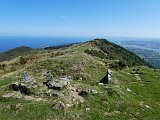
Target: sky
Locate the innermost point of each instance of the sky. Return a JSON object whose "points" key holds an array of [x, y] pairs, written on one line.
{"points": [[80, 18]]}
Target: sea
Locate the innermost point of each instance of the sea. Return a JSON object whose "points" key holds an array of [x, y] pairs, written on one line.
{"points": [[10, 42]]}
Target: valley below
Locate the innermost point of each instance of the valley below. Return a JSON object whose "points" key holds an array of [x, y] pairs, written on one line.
{"points": [[148, 49]]}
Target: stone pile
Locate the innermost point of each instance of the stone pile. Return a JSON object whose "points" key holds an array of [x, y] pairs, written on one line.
{"points": [[57, 84], [36, 90], [28, 86], [107, 78], [26, 77]]}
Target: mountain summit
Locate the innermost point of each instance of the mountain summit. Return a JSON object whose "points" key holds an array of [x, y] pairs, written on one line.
{"points": [[92, 80]]}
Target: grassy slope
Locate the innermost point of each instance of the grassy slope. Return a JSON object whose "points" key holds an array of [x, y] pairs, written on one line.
{"points": [[130, 105]]}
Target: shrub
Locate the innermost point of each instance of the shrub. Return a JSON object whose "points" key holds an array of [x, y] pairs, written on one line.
{"points": [[13, 69], [96, 53], [118, 65], [22, 60], [2, 66]]}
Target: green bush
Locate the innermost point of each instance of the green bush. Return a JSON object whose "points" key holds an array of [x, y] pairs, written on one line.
{"points": [[96, 53], [2, 66], [118, 65], [22, 60]]}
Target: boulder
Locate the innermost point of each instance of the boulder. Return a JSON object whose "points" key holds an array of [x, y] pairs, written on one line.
{"points": [[58, 86], [83, 93], [14, 87], [49, 83], [24, 90]]}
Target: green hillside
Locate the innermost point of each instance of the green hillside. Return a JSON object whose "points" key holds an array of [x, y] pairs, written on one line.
{"points": [[115, 52], [133, 92], [19, 51]]}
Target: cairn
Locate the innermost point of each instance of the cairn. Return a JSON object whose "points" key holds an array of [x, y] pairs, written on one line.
{"points": [[107, 78]]}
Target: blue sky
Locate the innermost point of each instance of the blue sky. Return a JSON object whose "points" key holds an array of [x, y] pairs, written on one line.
{"points": [[126, 18]]}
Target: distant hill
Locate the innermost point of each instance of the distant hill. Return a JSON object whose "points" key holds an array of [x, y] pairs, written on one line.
{"points": [[59, 46], [116, 52], [19, 51]]}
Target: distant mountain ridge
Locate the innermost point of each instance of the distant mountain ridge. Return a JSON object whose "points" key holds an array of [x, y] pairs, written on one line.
{"points": [[19, 51]]}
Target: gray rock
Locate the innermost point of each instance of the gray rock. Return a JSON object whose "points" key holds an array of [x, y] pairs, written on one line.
{"points": [[38, 99], [58, 86], [26, 77], [94, 92], [59, 106], [28, 98], [18, 95], [88, 109], [48, 91], [69, 105], [35, 86], [49, 74], [8, 95], [43, 75]]}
